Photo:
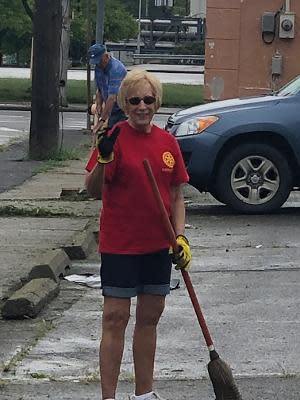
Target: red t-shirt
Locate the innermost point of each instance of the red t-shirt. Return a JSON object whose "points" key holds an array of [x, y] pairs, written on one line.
{"points": [[130, 221]]}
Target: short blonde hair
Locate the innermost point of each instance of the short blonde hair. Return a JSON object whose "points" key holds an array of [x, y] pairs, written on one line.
{"points": [[134, 78]]}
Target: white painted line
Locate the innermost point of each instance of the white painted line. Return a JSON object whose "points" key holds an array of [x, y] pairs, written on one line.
{"points": [[5, 129]]}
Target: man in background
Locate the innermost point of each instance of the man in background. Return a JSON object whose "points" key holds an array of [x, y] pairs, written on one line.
{"points": [[109, 73]]}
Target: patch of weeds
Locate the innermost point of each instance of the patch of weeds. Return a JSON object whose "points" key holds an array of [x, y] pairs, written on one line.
{"points": [[2, 383], [65, 154], [91, 378], [19, 356], [42, 328], [13, 211], [58, 159], [47, 166], [38, 375], [289, 375], [127, 376], [86, 146]]}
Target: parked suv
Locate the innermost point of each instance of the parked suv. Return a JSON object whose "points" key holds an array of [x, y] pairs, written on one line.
{"points": [[244, 151]]}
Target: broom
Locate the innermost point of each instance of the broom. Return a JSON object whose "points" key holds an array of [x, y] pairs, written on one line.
{"points": [[219, 372]]}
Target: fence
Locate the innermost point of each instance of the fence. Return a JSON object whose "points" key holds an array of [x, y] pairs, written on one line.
{"points": [[175, 58]]}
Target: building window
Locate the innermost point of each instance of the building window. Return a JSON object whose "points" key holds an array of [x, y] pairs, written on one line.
{"points": [[165, 3]]}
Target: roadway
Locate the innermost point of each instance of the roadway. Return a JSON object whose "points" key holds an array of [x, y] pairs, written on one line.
{"points": [[15, 125]]}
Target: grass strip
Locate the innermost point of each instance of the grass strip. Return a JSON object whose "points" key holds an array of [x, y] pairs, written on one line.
{"points": [[175, 95]]}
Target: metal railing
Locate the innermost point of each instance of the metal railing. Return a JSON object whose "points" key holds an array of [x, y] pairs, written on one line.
{"points": [[180, 58]]}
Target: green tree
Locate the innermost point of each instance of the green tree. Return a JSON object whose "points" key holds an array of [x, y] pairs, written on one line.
{"points": [[119, 24], [16, 26], [15, 29]]}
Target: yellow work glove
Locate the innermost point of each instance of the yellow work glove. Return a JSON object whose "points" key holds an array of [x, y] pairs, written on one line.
{"points": [[182, 257], [105, 145]]}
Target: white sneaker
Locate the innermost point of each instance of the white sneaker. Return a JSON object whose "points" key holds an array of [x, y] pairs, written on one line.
{"points": [[154, 396]]}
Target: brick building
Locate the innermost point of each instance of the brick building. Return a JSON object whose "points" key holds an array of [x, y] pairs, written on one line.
{"points": [[252, 46]]}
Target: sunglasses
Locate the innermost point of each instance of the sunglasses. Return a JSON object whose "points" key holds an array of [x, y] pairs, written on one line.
{"points": [[134, 101]]}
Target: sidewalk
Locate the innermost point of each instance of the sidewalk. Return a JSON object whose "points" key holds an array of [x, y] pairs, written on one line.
{"points": [[247, 280], [45, 223]]}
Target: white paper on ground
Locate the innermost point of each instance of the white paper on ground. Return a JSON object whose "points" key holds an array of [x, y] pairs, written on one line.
{"points": [[92, 281]]}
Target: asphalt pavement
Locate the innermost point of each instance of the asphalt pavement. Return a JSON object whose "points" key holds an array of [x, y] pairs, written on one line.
{"points": [[245, 270]]}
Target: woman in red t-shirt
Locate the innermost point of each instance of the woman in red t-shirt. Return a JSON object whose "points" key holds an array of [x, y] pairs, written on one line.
{"points": [[135, 257]]}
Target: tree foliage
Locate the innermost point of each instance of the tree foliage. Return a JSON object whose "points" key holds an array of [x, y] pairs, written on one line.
{"points": [[16, 25], [15, 28], [119, 23]]}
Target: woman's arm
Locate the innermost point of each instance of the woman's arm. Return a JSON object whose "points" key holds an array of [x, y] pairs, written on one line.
{"points": [[94, 181], [177, 210]]}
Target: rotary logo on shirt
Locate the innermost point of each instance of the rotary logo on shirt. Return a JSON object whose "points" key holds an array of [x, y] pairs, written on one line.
{"points": [[168, 160]]}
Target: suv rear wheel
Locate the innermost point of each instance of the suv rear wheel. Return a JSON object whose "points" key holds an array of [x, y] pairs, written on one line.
{"points": [[254, 178]]}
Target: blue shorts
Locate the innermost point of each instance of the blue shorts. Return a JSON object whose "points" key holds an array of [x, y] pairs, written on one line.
{"points": [[127, 276]]}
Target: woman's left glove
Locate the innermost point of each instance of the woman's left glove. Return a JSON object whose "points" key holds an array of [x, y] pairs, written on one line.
{"points": [[105, 145], [182, 257]]}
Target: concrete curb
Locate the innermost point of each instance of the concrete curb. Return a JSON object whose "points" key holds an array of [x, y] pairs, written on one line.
{"points": [[44, 278], [30, 299], [80, 246], [52, 265], [27, 107], [93, 226], [75, 108]]}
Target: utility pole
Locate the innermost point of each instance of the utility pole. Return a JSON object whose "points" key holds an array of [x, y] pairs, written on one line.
{"points": [[100, 21], [64, 51], [44, 124], [138, 45], [88, 67]]}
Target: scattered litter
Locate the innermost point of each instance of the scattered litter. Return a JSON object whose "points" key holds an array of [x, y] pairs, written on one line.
{"points": [[92, 281], [189, 226], [258, 246], [174, 284]]}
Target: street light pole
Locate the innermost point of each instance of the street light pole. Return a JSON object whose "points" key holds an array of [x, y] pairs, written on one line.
{"points": [[138, 47], [100, 21]]}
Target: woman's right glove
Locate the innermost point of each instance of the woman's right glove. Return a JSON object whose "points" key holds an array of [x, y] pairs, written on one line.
{"points": [[105, 145], [182, 257]]}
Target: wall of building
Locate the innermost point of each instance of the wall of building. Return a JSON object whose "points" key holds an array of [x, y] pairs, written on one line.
{"points": [[198, 8], [238, 62]]}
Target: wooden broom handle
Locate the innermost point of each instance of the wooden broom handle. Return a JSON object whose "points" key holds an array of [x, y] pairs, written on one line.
{"points": [[172, 239]]}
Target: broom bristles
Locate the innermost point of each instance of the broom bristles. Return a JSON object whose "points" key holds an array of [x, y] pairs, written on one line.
{"points": [[222, 379]]}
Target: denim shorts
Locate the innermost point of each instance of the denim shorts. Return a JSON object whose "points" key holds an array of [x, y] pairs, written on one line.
{"points": [[126, 276]]}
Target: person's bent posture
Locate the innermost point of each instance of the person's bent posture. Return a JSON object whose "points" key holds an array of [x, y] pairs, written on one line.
{"points": [[109, 73]]}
